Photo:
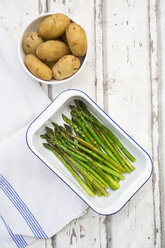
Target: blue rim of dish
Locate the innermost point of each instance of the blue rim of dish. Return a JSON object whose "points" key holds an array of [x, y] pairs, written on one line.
{"points": [[115, 124]]}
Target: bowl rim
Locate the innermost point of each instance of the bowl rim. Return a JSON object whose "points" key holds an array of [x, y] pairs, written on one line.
{"points": [[146, 153], [20, 49]]}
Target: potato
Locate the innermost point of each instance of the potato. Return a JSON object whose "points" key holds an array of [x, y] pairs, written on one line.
{"points": [[53, 26], [37, 67], [30, 42], [52, 50], [77, 39], [66, 67]]}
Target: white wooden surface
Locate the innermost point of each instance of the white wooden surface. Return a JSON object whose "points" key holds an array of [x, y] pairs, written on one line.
{"points": [[125, 73]]}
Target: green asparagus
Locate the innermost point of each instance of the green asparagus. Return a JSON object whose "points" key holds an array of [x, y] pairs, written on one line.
{"points": [[89, 150], [72, 171]]}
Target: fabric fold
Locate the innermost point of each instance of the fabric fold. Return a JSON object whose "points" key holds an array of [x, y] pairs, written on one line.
{"points": [[34, 202]]}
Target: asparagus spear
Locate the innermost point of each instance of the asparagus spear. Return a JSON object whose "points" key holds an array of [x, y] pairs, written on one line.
{"points": [[111, 182], [72, 171], [60, 128], [93, 188], [109, 144], [95, 164], [89, 185], [96, 137], [56, 126], [83, 157], [112, 163], [97, 167], [68, 128], [87, 150], [44, 136], [94, 173], [115, 178], [81, 106], [90, 152], [49, 132], [127, 162], [79, 156], [55, 142], [110, 179], [83, 127], [99, 194], [104, 139], [93, 119], [73, 125], [123, 149], [85, 174]]}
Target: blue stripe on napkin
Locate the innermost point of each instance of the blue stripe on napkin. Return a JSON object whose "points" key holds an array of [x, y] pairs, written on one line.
{"points": [[18, 239], [22, 208]]}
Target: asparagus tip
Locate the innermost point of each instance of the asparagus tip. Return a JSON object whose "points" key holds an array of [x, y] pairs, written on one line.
{"points": [[43, 136], [46, 145], [54, 124]]}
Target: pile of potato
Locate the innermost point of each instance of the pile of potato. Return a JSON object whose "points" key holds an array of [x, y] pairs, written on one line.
{"points": [[55, 49]]}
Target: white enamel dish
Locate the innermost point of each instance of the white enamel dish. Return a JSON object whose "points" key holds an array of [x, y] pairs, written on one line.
{"points": [[33, 26], [133, 181]]}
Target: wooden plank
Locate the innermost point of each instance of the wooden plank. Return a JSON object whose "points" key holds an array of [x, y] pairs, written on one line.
{"points": [[161, 80], [128, 101], [86, 231], [99, 82], [154, 80], [14, 15], [89, 229]]}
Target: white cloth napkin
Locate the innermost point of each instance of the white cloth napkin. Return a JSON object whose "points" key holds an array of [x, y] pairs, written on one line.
{"points": [[34, 202]]}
